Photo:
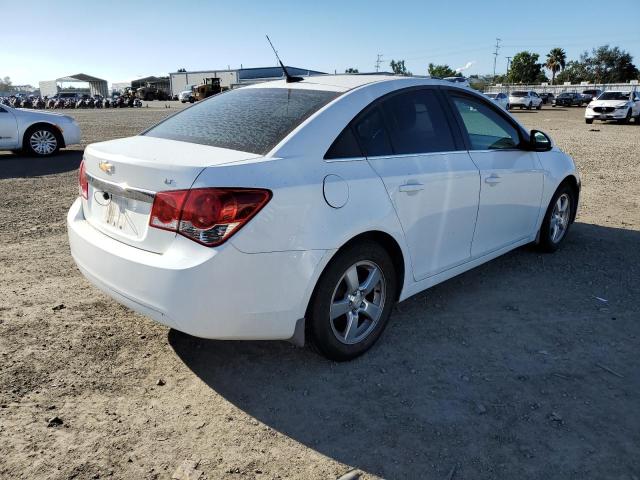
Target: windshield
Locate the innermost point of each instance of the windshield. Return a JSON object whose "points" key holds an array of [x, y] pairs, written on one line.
{"points": [[247, 119], [614, 96], [518, 94]]}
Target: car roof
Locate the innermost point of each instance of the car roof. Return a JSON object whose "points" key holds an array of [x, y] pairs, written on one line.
{"points": [[343, 83]]}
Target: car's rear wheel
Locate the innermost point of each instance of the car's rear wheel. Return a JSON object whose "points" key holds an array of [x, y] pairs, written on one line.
{"points": [[352, 302], [42, 141], [557, 220]]}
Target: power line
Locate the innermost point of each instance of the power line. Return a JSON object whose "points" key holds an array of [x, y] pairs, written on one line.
{"points": [[378, 62], [495, 56]]}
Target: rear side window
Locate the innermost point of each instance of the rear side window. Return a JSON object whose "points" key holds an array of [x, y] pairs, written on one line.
{"points": [[372, 134], [247, 119], [417, 123], [345, 146], [487, 130]]}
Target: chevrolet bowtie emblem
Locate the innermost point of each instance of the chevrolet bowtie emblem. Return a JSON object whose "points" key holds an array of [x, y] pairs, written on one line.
{"points": [[106, 167]]}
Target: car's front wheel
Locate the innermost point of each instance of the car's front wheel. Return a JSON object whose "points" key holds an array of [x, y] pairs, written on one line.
{"points": [[588, 121], [558, 218], [352, 302], [626, 119], [41, 141]]}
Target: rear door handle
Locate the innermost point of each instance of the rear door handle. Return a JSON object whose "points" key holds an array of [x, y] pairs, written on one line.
{"points": [[411, 187], [493, 179]]}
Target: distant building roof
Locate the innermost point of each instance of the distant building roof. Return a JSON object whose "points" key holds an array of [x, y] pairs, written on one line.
{"points": [[80, 77], [258, 72]]}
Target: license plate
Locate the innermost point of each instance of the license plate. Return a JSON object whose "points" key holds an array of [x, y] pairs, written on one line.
{"points": [[602, 117], [118, 216]]}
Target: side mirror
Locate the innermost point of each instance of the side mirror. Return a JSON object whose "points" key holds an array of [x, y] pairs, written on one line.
{"points": [[540, 141]]}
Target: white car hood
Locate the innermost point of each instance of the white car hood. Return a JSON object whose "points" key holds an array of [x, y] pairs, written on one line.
{"points": [[608, 103]]}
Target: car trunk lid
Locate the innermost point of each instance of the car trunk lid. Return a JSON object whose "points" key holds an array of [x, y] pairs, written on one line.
{"points": [[124, 176]]}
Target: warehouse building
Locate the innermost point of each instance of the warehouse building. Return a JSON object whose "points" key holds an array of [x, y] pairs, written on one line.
{"points": [[180, 81]]}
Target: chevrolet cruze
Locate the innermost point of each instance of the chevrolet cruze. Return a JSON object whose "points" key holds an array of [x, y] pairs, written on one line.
{"points": [[304, 210]]}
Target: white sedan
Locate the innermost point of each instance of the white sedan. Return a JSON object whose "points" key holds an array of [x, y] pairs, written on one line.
{"points": [[36, 133], [500, 98], [305, 210], [620, 106]]}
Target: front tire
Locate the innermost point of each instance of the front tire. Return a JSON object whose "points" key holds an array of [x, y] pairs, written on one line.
{"points": [[588, 121], [352, 302], [539, 107], [41, 141], [529, 106], [558, 219], [626, 119]]}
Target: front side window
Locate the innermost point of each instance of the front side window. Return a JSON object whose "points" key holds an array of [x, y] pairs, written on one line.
{"points": [[417, 123], [251, 120], [487, 130]]}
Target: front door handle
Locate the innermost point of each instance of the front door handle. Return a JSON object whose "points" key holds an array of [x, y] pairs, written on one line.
{"points": [[493, 179], [411, 187]]}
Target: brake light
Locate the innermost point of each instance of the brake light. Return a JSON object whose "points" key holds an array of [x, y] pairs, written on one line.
{"points": [[207, 215], [83, 183]]}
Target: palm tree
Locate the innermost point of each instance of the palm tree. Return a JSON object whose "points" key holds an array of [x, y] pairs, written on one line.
{"points": [[556, 61]]}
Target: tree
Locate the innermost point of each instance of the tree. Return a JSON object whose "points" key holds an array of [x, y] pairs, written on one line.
{"points": [[574, 72], [609, 65], [351, 70], [5, 84], [556, 61], [525, 68], [399, 68], [442, 71]]}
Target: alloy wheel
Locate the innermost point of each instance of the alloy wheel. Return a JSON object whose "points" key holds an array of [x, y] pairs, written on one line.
{"points": [[560, 218], [357, 302], [43, 142]]}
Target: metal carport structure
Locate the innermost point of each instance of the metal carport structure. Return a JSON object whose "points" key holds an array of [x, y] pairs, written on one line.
{"points": [[97, 86]]}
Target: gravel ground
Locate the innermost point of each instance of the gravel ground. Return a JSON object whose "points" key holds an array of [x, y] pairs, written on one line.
{"points": [[526, 367]]}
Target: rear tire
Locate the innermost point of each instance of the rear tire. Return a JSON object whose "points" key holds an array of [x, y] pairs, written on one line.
{"points": [[558, 219], [352, 302]]}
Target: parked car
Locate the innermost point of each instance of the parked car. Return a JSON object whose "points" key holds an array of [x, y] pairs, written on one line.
{"points": [[568, 99], [524, 99], [500, 98], [186, 96], [620, 106], [36, 132], [547, 98], [460, 81], [588, 95], [305, 210]]}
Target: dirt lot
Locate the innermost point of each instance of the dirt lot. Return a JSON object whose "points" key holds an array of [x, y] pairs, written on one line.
{"points": [[526, 367]]}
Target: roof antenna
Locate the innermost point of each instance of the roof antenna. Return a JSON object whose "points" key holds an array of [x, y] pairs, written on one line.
{"points": [[290, 79]]}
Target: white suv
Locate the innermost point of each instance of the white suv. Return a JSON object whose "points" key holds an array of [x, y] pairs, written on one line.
{"points": [[524, 99], [620, 106]]}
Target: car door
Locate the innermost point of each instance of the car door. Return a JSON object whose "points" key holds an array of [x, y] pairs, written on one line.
{"points": [[535, 99], [511, 177], [432, 182], [635, 109], [8, 129]]}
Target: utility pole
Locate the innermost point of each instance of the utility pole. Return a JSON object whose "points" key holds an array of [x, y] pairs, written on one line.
{"points": [[378, 62], [495, 57], [508, 64]]}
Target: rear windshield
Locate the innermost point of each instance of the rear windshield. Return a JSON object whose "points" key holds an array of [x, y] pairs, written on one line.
{"points": [[518, 94], [247, 119]]}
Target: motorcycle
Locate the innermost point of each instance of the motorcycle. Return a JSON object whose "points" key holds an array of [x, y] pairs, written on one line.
{"points": [[39, 103]]}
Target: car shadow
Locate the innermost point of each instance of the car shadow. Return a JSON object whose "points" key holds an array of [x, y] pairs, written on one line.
{"points": [[13, 165], [457, 380]]}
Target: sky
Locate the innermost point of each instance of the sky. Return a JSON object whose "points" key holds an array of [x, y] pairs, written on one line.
{"points": [[121, 40]]}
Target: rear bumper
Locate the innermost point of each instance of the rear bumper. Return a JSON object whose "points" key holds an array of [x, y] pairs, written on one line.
{"points": [[217, 293]]}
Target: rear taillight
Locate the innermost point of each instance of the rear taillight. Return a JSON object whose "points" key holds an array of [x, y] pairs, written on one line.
{"points": [[83, 183], [207, 215]]}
